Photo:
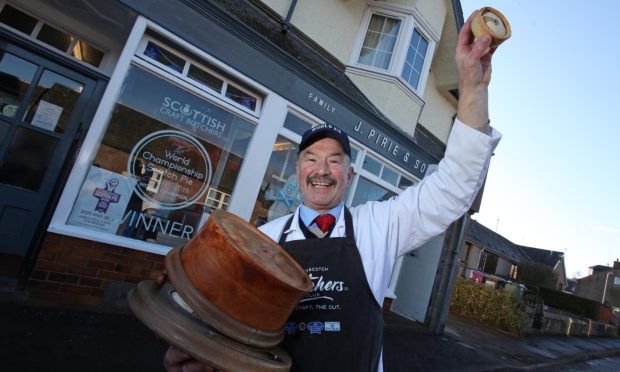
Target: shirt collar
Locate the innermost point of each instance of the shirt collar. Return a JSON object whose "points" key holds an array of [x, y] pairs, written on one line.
{"points": [[308, 214]]}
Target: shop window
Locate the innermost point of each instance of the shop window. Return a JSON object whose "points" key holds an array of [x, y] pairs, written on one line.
{"points": [[168, 156], [377, 168], [55, 38], [202, 76], [241, 97], [404, 182], [296, 124], [200, 73], [279, 193], [155, 180], [367, 190], [85, 52], [354, 152], [389, 176], [393, 43], [17, 19], [164, 57], [60, 40]]}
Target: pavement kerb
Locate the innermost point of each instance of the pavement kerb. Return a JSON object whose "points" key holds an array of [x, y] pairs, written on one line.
{"points": [[582, 357]]}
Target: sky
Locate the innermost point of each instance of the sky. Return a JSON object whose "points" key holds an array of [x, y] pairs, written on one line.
{"points": [[554, 181]]}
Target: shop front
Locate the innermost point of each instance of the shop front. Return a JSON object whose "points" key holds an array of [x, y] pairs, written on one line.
{"points": [[189, 111]]}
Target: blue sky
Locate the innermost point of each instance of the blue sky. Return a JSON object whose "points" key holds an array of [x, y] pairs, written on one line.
{"points": [[554, 182]]}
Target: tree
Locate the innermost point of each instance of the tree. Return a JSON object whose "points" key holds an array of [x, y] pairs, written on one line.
{"points": [[538, 274]]}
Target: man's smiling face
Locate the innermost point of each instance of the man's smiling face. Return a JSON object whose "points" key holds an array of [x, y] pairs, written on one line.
{"points": [[323, 173]]}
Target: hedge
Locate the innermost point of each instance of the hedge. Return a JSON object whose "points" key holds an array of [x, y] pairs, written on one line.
{"points": [[494, 307]]}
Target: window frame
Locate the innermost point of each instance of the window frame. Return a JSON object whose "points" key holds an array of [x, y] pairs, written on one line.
{"points": [[359, 171], [410, 21], [184, 74], [142, 29]]}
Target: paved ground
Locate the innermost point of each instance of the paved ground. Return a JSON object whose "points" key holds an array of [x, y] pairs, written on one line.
{"points": [[48, 339]]}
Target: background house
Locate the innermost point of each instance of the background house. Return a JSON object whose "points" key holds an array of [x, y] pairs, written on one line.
{"points": [[603, 284], [488, 252]]}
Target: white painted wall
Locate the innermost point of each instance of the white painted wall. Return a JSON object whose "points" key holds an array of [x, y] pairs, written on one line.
{"points": [[438, 111], [390, 100]]}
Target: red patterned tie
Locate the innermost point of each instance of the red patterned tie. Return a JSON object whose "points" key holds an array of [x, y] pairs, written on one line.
{"points": [[325, 222]]}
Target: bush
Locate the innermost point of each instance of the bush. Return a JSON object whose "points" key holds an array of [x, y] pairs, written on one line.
{"points": [[494, 307]]}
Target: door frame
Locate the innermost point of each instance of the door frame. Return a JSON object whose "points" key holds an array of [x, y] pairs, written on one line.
{"points": [[7, 38]]}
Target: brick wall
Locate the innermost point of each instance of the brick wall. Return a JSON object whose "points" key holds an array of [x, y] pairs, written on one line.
{"points": [[78, 271]]}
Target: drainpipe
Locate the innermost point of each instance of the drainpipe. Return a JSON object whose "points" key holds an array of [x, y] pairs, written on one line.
{"points": [[458, 14], [287, 22], [605, 288], [446, 294]]}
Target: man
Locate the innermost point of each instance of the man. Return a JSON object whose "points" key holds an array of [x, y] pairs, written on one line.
{"points": [[339, 326]]}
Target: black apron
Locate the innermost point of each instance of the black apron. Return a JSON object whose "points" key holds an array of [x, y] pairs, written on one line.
{"points": [[338, 326]]}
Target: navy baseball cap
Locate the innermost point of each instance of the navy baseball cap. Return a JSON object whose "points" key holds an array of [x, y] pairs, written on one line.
{"points": [[325, 131]]}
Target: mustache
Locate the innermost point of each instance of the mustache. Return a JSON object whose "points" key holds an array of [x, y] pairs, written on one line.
{"points": [[320, 178]]}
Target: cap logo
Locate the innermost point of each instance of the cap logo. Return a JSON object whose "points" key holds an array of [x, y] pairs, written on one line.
{"points": [[328, 126]]}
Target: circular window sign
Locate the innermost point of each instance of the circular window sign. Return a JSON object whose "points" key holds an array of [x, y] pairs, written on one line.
{"points": [[170, 169]]}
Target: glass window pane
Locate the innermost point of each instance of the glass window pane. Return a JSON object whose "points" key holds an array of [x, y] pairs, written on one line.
{"points": [[414, 62], [367, 56], [296, 124], [241, 97], [372, 40], [389, 176], [367, 191], [204, 77], [404, 182], [354, 152], [171, 155], [372, 165], [17, 19], [379, 42], [163, 56], [418, 63], [53, 102], [24, 167], [391, 26], [423, 46], [407, 71], [15, 78], [376, 23], [414, 79], [279, 193], [4, 130], [55, 38], [382, 60], [87, 53], [387, 44]]}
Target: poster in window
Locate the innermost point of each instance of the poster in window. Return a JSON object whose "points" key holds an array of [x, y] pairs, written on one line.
{"points": [[101, 201], [47, 115]]}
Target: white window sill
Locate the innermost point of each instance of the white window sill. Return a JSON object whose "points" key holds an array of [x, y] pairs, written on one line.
{"points": [[82, 233]]}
